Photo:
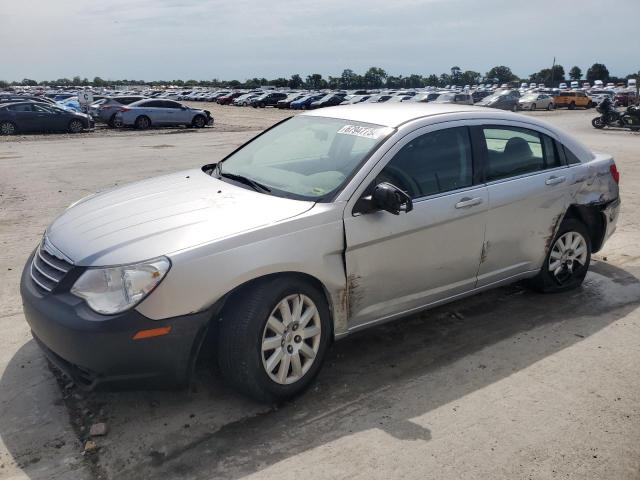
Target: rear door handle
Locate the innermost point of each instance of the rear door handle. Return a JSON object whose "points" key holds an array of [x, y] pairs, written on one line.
{"points": [[554, 180], [467, 202]]}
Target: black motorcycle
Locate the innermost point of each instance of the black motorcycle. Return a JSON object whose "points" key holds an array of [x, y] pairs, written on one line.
{"points": [[610, 117]]}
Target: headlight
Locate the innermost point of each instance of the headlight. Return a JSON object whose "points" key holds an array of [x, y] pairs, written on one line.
{"points": [[116, 289]]}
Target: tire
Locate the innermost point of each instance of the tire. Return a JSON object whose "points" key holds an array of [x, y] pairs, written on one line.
{"points": [[533, 107], [75, 126], [304, 107], [199, 121], [514, 108], [572, 106], [112, 121], [142, 122], [551, 106], [598, 123], [570, 265], [245, 356], [7, 128]]}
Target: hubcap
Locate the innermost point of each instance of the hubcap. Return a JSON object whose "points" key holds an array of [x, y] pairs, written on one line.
{"points": [[7, 128], [569, 252], [291, 339]]}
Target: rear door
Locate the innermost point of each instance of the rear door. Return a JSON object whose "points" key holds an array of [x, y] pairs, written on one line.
{"points": [[528, 195], [23, 116]]}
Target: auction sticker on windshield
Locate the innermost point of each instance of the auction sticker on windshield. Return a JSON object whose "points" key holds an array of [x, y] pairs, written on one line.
{"points": [[366, 132]]}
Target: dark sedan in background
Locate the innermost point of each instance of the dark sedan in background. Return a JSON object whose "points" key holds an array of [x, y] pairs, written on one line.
{"points": [[41, 117]]}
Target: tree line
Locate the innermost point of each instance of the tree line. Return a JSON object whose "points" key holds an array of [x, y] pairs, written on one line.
{"points": [[374, 77]]}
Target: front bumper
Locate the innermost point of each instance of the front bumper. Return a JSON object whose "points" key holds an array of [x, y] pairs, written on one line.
{"points": [[96, 350]]}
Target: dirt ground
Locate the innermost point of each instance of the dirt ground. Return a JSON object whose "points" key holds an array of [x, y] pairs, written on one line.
{"points": [[508, 384]]}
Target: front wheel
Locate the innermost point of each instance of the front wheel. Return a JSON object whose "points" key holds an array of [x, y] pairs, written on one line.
{"points": [[75, 126], [533, 106], [598, 123], [550, 106], [567, 261], [572, 106], [514, 108], [273, 338], [199, 121]]}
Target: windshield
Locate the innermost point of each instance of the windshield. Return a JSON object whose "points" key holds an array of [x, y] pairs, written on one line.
{"points": [[306, 157]]}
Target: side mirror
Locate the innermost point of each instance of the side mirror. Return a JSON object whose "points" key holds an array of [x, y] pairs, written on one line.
{"points": [[391, 199]]}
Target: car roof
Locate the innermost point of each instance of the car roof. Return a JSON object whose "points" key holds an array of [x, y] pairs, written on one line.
{"points": [[393, 114]]}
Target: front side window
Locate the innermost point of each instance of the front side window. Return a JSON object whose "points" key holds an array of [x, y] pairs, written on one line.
{"points": [[306, 157], [433, 163]]}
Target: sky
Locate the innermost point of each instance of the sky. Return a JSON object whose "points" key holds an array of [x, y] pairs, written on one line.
{"points": [[241, 39]]}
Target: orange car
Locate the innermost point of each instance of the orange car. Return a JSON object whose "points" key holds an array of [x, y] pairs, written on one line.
{"points": [[573, 99]]}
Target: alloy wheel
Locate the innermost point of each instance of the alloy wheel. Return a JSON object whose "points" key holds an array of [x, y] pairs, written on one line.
{"points": [[75, 126], [568, 254], [291, 339], [7, 128]]}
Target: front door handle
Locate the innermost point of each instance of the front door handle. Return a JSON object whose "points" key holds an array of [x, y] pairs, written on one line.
{"points": [[467, 202], [553, 180]]}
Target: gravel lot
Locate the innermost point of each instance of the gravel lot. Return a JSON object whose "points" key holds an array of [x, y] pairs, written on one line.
{"points": [[504, 385]]}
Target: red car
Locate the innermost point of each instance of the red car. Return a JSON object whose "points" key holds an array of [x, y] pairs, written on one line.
{"points": [[227, 99], [624, 99]]}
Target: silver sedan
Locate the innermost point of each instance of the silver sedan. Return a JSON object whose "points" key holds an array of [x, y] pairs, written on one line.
{"points": [[536, 101], [328, 223], [148, 113]]}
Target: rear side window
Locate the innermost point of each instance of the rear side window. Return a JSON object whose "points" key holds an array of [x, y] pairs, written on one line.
{"points": [[512, 152], [433, 163], [569, 155], [20, 108]]}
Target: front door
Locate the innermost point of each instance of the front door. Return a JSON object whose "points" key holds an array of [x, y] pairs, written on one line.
{"points": [[400, 263]]}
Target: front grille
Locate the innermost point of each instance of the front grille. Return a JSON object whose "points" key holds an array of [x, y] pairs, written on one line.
{"points": [[48, 267]]}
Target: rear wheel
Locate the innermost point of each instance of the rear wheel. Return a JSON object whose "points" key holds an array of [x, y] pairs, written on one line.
{"points": [[551, 106], [533, 106], [568, 259], [514, 108], [75, 126], [572, 106], [142, 122], [273, 338], [7, 128]]}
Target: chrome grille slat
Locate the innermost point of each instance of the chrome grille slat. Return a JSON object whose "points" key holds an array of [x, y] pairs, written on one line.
{"points": [[50, 262], [44, 273], [48, 270]]}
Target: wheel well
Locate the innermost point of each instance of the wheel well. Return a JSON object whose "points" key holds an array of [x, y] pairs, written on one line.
{"points": [[593, 219], [211, 335]]}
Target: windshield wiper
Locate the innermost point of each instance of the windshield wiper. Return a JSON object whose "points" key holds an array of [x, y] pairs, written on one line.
{"points": [[258, 187]]}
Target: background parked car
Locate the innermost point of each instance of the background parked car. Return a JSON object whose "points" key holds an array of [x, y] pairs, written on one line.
{"points": [[624, 99], [573, 99], [458, 98], [305, 102], [269, 99], [292, 97], [329, 100], [228, 98], [244, 100], [534, 101], [355, 99], [504, 100], [156, 112], [41, 117], [106, 110]]}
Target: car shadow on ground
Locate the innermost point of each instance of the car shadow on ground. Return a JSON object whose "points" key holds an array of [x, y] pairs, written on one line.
{"points": [[378, 379]]}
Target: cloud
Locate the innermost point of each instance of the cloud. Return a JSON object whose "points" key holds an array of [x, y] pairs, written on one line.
{"points": [[170, 39]]}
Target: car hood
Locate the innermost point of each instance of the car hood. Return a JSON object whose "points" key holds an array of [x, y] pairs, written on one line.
{"points": [[163, 215]]}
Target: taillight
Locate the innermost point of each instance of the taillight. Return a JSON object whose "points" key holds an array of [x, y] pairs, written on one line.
{"points": [[124, 109], [614, 173]]}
